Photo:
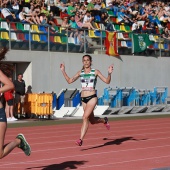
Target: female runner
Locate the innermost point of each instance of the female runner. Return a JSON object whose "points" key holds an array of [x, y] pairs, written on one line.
{"points": [[20, 140], [88, 77]]}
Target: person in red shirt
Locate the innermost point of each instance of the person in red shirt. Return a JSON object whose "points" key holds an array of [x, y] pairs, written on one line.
{"points": [[9, 98]]}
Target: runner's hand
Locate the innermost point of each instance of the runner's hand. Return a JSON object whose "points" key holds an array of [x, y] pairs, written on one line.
{"points": [[110, 69], [62, 67]]}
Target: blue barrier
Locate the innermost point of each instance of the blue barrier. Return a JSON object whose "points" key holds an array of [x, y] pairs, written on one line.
{"points": [[60, 100], [70, 98], [76, 99]]}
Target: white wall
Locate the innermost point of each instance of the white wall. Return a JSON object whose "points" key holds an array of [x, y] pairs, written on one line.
{"points": [[42, 70]]}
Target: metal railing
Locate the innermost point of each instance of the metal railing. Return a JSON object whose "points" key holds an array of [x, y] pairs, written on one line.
{"points": [[23, 36]]}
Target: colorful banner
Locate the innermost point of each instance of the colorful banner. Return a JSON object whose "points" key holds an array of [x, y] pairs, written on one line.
{"points": [[111, 44], [140, 42]]}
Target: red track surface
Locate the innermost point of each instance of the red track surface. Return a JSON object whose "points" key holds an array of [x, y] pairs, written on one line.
{"points": [[129, 145]]}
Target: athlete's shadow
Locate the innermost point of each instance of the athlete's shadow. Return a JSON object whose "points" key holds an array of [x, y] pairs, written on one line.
{"points": [[61, 166], [114, 142]]}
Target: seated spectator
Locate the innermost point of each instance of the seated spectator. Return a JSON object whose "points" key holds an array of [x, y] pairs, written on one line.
{"points": [[71, 9], [82, 10], [166, 30], [77, 6], [113, 6], [44, 10], [136, 27], [73, 27], [35, 15], [94, 8], [53, 8], [24, 18], [44, 21], [73, 23], [150, 28], [79, 21], [8, 15], [65, 23], [81, 40], [164, 16], [50, 19], [123, 18], [121, 15], [89, 19], [90, 5], [105, 22], [63, 7], [15, 7]]}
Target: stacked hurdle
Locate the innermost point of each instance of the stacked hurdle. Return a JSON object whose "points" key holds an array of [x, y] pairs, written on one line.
{"points": [[144, 97], [39, 104], [129, 96]]}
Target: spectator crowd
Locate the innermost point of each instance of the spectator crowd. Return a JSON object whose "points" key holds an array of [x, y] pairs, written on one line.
{"points": [[141, 16]]}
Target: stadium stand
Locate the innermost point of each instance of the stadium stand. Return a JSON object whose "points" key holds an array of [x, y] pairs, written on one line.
{"points": [[121, 15]]}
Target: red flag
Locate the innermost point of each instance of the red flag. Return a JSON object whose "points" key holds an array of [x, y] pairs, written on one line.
{"points": [[111, 44]]}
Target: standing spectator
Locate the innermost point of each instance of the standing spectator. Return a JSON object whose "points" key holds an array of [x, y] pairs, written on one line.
{"points": [[19, 94], [9, 108]]}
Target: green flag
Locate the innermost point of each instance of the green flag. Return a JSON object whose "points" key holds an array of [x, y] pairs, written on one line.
{"points": [[140, 42]]}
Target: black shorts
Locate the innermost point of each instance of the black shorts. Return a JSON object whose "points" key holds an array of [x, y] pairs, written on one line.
{"points": [[88, 98], [10, 102], [2, 115]]}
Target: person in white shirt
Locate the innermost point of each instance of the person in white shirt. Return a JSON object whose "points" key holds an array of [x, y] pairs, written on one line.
{"points": [[87, 17], [136, 27], [8, 15], [24, 18]]}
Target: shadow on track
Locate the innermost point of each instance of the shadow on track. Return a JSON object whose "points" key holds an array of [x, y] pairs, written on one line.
{"points": [[61, 166], [114, 142]]}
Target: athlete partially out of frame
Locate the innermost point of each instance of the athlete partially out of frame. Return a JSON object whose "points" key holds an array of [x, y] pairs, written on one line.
{"points": [[88, 77], [20, 140]]}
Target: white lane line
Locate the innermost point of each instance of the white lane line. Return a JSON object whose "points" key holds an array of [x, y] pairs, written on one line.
{"points": [[114, 124], [122, 162], [91, 131], [81, 155]]}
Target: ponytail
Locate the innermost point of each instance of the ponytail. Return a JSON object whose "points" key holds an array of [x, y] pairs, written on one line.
{"points": [[5, 68]]}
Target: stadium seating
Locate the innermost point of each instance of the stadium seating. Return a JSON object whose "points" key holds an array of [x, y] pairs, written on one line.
{"points": [[38, 34]]}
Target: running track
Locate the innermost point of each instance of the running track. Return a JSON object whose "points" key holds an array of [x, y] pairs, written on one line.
{"points": [[129, 145]]}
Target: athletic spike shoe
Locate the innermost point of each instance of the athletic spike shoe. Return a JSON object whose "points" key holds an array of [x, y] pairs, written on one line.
{"points": [[107, 123], [79, 142], [24, 144]]}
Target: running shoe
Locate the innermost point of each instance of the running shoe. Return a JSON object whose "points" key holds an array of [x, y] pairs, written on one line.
{"points": [[79, 142], [107, 123], [24, 144]]}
